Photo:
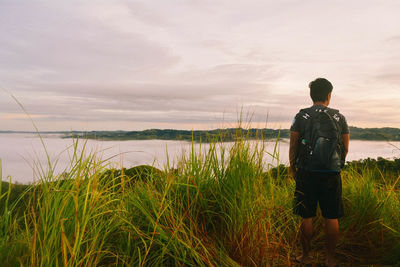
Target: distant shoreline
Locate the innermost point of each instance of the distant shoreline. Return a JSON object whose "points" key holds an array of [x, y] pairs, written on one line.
{"points": [[367, 134]]}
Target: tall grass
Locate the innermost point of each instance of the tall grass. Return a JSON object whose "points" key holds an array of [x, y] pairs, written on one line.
{"points": [[220, 206]]}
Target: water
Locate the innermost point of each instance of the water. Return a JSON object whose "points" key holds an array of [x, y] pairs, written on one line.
{"points": [[21, 154]]}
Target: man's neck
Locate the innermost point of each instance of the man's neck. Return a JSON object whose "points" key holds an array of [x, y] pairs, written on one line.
{"points": [[320, 103]]}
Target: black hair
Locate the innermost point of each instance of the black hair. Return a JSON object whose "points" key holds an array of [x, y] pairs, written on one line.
{"points": [[320, 89]]}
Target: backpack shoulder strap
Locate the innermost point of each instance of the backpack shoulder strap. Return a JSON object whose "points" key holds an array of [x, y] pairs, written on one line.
{"points": [[307, 116], [334, 114], [306, 113]]}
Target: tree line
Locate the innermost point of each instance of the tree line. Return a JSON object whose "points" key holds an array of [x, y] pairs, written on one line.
{"points": [[230, 134]]}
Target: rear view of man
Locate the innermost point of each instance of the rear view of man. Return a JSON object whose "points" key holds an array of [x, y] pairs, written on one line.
{"points": [[319, 141]]}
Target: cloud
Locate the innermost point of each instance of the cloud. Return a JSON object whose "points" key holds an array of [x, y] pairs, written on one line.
{"points": [[392, 77], [195, 97], [394, 39], [63, 45], [13, 116], [194, 62]]}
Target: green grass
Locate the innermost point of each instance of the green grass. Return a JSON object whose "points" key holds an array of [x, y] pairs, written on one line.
{"points": [[216, 207]]}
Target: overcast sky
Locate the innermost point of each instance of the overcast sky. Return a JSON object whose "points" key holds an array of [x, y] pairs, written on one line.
{"points": [[195, 64]]}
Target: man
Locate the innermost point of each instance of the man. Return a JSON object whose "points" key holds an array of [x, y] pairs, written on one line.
{"points": [[318, 184]]}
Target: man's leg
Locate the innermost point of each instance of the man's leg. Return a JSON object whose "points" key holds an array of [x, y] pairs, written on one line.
{"points": [[306, 232], [332, 237], [305, 206]]}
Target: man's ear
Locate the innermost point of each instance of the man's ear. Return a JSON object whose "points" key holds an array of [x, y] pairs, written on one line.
{"points": [[329, 97]]}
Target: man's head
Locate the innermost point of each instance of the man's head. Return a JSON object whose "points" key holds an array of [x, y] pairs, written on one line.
{"points": [[320, 90]]}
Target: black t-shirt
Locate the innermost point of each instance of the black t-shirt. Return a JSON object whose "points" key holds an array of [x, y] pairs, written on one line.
{"points": [[300, 121]]}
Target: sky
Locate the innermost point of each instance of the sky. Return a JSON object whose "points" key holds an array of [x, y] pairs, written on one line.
{"points": [[195, 64]]}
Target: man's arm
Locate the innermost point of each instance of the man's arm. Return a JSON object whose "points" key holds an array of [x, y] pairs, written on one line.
{"points": [[294, 145], [346, 141]]}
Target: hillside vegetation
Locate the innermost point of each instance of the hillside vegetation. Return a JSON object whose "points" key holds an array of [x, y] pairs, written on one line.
{"points": [[387, 134], [227, 135]]}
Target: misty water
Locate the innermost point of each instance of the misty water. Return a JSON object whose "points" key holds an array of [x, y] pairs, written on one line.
{"points": [[23, 154]]}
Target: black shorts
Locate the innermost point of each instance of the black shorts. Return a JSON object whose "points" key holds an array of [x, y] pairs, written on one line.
{"points": [[318, 187]]}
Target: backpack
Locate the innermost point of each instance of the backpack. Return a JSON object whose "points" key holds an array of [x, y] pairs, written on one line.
{"points": [[320, 147]]}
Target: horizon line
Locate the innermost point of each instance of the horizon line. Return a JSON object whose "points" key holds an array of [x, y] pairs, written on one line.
{"points": [[175, 129]]}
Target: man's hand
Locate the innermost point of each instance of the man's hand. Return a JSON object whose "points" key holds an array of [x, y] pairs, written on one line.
{"points": [[292, 173], [345, 140]]}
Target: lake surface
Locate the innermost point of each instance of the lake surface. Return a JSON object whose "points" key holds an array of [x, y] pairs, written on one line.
{"points": [[21, 154]]}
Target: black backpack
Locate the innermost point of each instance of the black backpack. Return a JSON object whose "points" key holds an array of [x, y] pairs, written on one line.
{"points": [[320, 147]]}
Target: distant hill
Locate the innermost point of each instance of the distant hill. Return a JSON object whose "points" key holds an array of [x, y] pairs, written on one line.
{"points": [[386, 134], [382, 134], [169, 134]]}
